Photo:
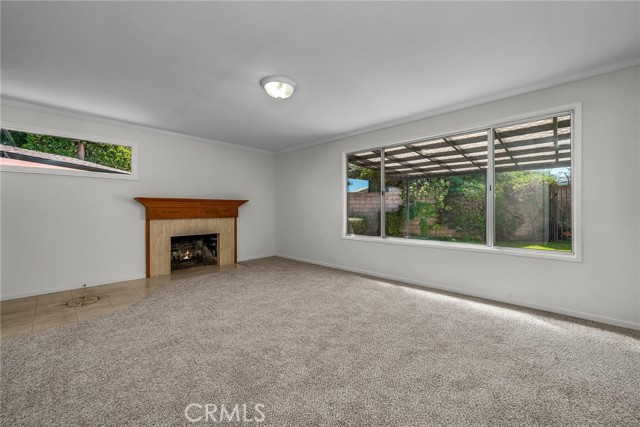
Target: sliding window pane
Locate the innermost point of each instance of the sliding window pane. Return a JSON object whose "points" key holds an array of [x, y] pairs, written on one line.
{"points": [[363, 193], [533, 185], [395, 196], [436, 189]]}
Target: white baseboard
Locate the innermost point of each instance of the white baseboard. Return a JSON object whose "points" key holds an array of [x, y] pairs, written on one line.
{"points": [[543, 307], [249, 258]]}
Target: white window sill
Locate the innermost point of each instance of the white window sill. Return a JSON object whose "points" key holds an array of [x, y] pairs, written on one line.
{"points": [[63, 172], [528, 253]]}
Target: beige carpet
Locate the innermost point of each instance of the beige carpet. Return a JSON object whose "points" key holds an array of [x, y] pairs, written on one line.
{"points": [[321, 347]]}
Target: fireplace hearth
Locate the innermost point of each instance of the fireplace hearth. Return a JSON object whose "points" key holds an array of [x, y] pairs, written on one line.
{"points": [[193, 251]]}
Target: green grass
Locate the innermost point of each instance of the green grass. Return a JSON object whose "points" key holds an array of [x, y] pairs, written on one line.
{"points": [[550, 246]]}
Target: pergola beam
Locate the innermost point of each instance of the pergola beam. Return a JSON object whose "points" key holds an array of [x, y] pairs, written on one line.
{"points": [[433, 160], [545, 145], [504, 146], [462, 153], [480, 149], [511, 168], [565, 123], [519, 156]]}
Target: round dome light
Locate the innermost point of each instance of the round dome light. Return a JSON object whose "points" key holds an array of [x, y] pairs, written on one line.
{"points": [[278, 87]]}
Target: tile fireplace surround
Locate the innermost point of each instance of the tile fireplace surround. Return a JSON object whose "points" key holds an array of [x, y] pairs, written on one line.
{"points": [[182, 217]]}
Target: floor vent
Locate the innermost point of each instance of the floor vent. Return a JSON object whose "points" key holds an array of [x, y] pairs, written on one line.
{"points": [[83, 301]]}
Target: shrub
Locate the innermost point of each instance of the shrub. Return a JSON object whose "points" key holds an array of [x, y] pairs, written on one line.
{"points": [[466, 217], [114, 156], [464, 209], [394, 224], [358, 225]]}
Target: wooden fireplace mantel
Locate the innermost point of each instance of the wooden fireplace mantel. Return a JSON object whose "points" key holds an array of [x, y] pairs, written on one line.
{"points": [[166, 208], [171, 208]]}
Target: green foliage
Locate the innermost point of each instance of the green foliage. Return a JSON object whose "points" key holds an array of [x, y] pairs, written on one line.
{"points": [[429, 190], [460, 203], [51, 144], [427, 197], [359, 225], [424, 226], [465, 205], [14, 138], [115, 156], [394, 222]]}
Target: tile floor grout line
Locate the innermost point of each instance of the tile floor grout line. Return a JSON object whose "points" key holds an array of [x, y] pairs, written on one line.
{"points": [[33, 318], [139, 293]]}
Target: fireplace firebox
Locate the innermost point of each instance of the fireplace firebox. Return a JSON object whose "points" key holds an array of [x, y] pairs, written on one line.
{"points": [[193, 251]]}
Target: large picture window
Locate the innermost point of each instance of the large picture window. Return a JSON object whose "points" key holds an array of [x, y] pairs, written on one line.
{"points": [[505, 186]]}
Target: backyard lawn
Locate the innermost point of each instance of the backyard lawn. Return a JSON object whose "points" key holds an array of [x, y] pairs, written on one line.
{"points": [[550, 246]]}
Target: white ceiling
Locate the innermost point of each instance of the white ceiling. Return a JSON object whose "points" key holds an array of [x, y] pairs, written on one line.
{"points": [[194, 67]]}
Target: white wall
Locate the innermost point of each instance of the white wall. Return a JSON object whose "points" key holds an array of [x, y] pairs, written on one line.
{"points": [[605, 286], [60, 232]]}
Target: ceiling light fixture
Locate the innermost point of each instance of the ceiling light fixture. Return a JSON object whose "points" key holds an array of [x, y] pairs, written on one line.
{"points": [[278, 87]]}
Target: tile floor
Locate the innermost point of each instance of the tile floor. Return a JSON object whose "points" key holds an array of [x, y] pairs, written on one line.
{"points": [[26, 315]]}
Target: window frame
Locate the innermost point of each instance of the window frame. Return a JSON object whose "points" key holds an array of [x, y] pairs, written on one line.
{"points": [[133, 176], [574, 110]]}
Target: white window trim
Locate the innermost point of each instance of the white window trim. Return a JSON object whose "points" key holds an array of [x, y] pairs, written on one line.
{"points": [[133, 176], [576, 192]]}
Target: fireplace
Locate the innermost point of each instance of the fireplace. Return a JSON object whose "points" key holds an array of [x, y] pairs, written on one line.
{"points": [[167, 218], [193, 251]]}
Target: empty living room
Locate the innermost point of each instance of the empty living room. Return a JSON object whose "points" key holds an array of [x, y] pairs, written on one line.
{"points": [[310, 213]]}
